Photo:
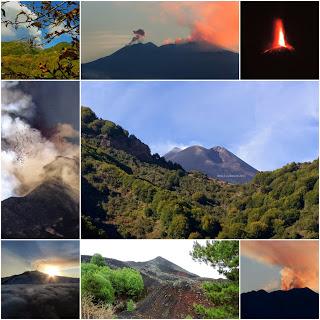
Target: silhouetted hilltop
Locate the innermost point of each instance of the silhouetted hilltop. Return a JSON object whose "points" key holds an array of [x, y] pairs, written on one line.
{"points": [[36, 277], [302, 303], [191, 60]]}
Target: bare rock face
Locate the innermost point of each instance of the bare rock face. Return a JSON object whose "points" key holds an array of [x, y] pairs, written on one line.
{"points": [[130, 144], [50, 210], [216, 162]]}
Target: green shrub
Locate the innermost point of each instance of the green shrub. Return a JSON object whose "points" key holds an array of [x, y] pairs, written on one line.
{"points": [[96, 285], [127, 281], [130, 305], [98, 260]]}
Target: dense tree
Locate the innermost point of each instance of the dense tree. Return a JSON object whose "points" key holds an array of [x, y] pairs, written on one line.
{"points": [[223, 255], [98, 260]]}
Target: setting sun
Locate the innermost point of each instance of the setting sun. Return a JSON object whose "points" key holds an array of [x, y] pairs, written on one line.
{"points": [[52, 271]]}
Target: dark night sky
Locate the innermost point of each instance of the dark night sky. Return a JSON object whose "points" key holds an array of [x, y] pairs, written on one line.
{"points": [[301, 27]]}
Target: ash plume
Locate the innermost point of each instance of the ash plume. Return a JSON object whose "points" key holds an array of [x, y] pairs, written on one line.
{"points": [[298, 260], [215, 23], [138, 36], [25, 150]]}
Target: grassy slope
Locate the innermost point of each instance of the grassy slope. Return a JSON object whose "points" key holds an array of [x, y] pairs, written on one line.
{"points": [[21, 58], [147, 200]]}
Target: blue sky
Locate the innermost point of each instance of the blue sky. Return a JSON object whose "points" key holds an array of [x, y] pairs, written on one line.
{"points": [[20, 256], [266, 123], [24, 32]]}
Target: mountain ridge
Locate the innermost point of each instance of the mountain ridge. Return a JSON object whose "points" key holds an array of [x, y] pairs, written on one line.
{"points": [[296, 303], [168, 293], [36, 277], [191, 60]]}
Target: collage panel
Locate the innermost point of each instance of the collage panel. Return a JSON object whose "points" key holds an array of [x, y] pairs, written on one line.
{"points": [[279, 279], [40, 159], [40, 279], [160, 40], [280, 40], [40, 40], [189, 160], [160, 279]]}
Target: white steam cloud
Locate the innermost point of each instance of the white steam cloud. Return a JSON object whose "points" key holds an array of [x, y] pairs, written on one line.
{"points": [[25, 151]]}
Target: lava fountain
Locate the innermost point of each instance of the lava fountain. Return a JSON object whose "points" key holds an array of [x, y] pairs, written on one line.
{"points": [[279, 39]]}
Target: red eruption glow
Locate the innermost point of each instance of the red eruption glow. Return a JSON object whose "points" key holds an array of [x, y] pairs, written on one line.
{"points": [[279, 38], [213, 22]]}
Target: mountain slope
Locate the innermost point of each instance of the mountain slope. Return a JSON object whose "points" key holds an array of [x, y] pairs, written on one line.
{"points": [[292, 304], [35, 277], [50, 210], [170, 291], [216, 162], [174, 61], [129, 193]]}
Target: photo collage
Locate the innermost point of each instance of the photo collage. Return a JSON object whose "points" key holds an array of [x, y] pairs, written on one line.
{"points": [[159, 159]]}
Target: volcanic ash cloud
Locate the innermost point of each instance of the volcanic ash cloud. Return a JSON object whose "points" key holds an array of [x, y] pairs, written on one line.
{"points": [[299, 260], [25, 150], [216, 23]]}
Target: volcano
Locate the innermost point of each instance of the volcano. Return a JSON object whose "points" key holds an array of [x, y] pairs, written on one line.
{"points": [[190, 60], [216, 162], [170, 291], [50, 210], [279, 43]]}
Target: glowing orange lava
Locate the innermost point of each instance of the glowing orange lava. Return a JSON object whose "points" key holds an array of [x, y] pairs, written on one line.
{"points": [[279, 38]]}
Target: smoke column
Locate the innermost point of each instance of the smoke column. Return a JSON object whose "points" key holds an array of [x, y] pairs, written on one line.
{"points": [[25, 151], [138, 36], [299, 260]]}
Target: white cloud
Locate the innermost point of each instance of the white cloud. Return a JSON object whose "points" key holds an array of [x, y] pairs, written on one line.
{"points": [[9, 33]]}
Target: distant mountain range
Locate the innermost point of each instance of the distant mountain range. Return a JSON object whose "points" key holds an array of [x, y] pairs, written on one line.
{"points": [[216, 162], [36, 277], [50, 210], [191, 60], [170, 291], [302, 303]]}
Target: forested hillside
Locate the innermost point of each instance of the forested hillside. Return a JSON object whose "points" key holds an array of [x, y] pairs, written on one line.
{"points": [[129, 193], [22, 60]]}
